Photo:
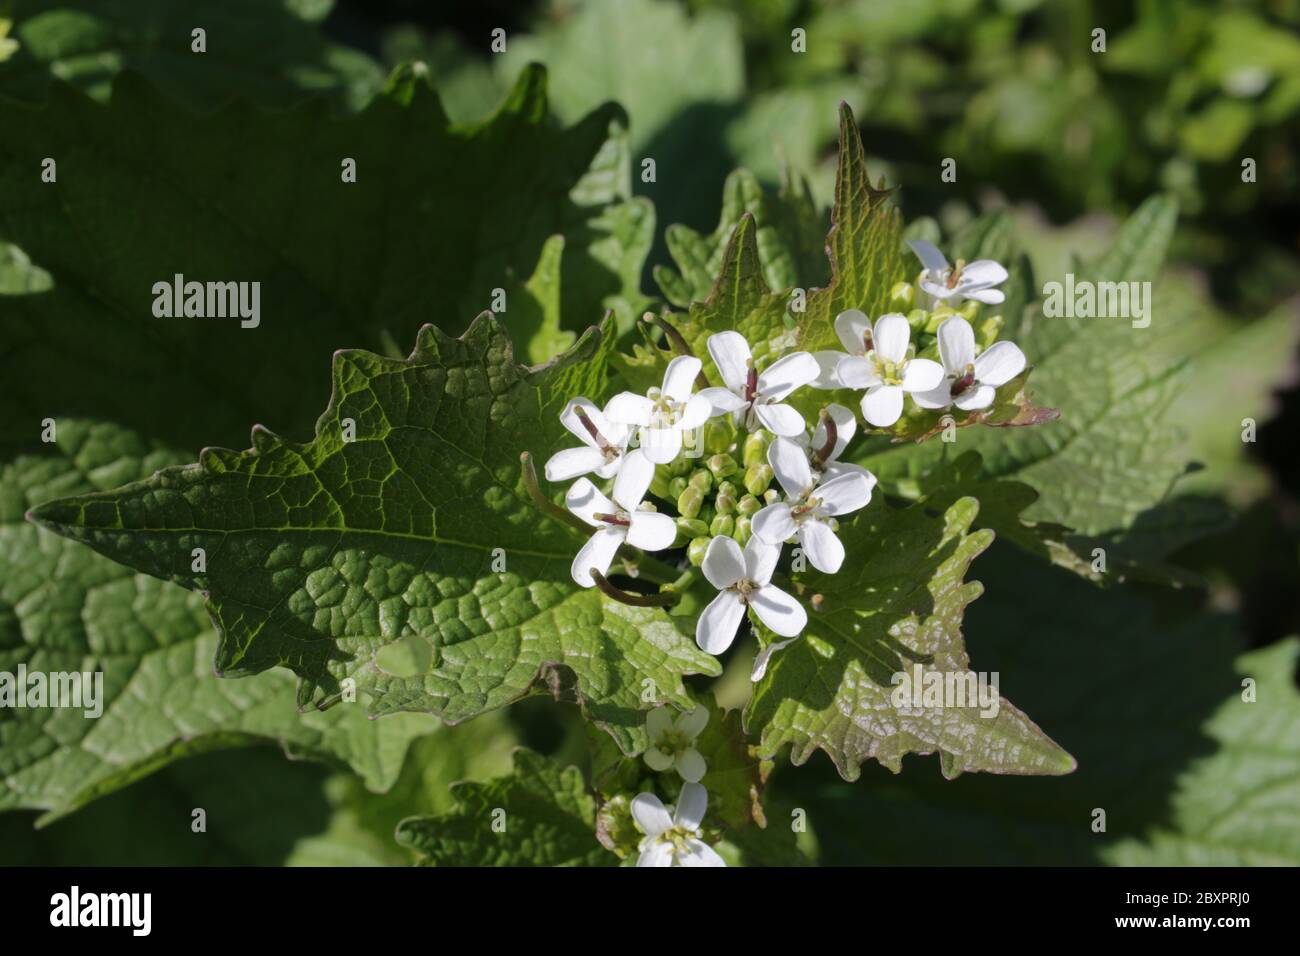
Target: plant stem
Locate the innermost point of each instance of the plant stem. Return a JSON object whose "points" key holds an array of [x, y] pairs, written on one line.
{"points": [[545, 504], [663, 599]]}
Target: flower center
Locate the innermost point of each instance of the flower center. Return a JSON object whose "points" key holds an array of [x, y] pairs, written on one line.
{"points": [[672, 742], [954, 274], [677, 837], [745, 587], [891, 373], [666, 412], [965, 381], [805, 509]]}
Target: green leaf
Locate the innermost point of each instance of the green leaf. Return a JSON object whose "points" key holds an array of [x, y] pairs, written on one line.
{"points": [[540, 815], [65, 609], [678, 89], [271, 50], [896, 607], [539, 331], [448, 213], [1109, 468], [1239, 805], [790, 236], [378, 559], [1145, 687]]}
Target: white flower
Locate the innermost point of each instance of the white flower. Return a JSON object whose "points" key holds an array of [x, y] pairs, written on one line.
{"points": [[672, 742], [603, 443], [751, 396], [675, 840], [744, 580], [886, 372], [664, 413], [854, 329], [622, 519], [971, 280], [823, 460], [970, 381], [809, 506]]}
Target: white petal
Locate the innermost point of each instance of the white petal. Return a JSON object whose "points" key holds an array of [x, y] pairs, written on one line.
{"points": [[658, 722], [633, 479], [731, 355], [569, 418], [956, 344], [981, 396], [586, 501], [921, 375], [778, 611], [690, 765], [698, 411], [826, 365], [597, 553], [929, 254], [572, 462], [999, 363], [846, 424], [760, 559], [724, 562], [699, 853], [882, 405], [692, 722], [650, 531], [692, 803], [616, 433], [836, 469], [629, 408], [937, 289], [983, 272], [722, 400], [716, 628], [987, 296], [790, 463], [774, 523], [855, 371], [940, 397], [786, 374], [824, 550], [846, 493], [656, 854], [852, 326], [650, 814], [657, 760], [891, 337], [781, 419], [764, 656], [679, 377], [661, 445]]}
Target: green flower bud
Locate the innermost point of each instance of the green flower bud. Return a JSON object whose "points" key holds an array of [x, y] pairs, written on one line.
{"points": [[723, 466], [707, 513], [676, 486], [988, 331], [718, 435], [722, 524], [702, 479], [691, 527], [902, 297], [758, 478], [917, 319], [749, 506], [756, 448], [689, 502], [771, 496], [681, 466], [696, 549], [969, 309], [725, 503], [660, 482], [742, 530]]}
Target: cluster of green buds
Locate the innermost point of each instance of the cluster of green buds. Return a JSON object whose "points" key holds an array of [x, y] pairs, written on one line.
{"points": [[719, 492]]}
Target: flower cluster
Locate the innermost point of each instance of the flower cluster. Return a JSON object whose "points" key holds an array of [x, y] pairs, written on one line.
{"points": [[731, 473]]}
